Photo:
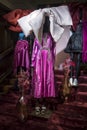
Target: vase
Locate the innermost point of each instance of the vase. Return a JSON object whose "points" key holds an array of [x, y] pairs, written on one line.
{"points": [[22, 107]]}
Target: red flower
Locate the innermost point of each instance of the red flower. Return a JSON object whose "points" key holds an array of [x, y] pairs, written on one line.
{"points": [[72, 63]]}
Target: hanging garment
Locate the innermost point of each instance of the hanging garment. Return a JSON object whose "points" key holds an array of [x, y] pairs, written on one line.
{"points": [[75, 42], [62, 42], [74, 48], [15, 28], [21, 55], [84, 54], [12, 18], [74, 11], [43, 63]]}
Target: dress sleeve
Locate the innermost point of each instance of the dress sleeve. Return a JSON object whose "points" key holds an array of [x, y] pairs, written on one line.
{"points": [[23, 23], [34, 53], [26, 22]]}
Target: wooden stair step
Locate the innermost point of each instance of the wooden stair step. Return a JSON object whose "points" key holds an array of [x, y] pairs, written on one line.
{"points": [[82, 87], [82, 79], [81, 96], [57, 71], [69, 121], [78, 107]]}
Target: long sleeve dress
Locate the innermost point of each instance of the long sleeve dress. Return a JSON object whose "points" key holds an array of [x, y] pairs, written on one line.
{"points": [[43, 62]]}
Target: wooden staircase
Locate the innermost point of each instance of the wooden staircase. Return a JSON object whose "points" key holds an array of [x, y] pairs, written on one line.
{"points": [[73, 114], [67, 116]]}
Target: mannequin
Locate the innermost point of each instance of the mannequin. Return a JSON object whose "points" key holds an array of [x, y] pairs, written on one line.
{"points": [[43, 64], [74, 48]]}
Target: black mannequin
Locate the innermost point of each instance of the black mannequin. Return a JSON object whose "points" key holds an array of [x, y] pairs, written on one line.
{"points": [[46, 26]]}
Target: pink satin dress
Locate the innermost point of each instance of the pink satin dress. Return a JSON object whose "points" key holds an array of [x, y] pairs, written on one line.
{"points": [[21, 55], [43, 56]]}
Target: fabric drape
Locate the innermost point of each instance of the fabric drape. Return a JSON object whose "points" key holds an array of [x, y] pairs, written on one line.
{"points": [[59, 17], [74, 11], [12, 18]]}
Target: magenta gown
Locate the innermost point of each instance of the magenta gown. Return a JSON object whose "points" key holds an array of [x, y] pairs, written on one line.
{"points": [[21, 55], [43, 56]]}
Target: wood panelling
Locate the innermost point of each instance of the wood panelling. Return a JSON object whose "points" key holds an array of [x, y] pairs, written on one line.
{"points": [[6, 51], [5, 39], [6, 66]]}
